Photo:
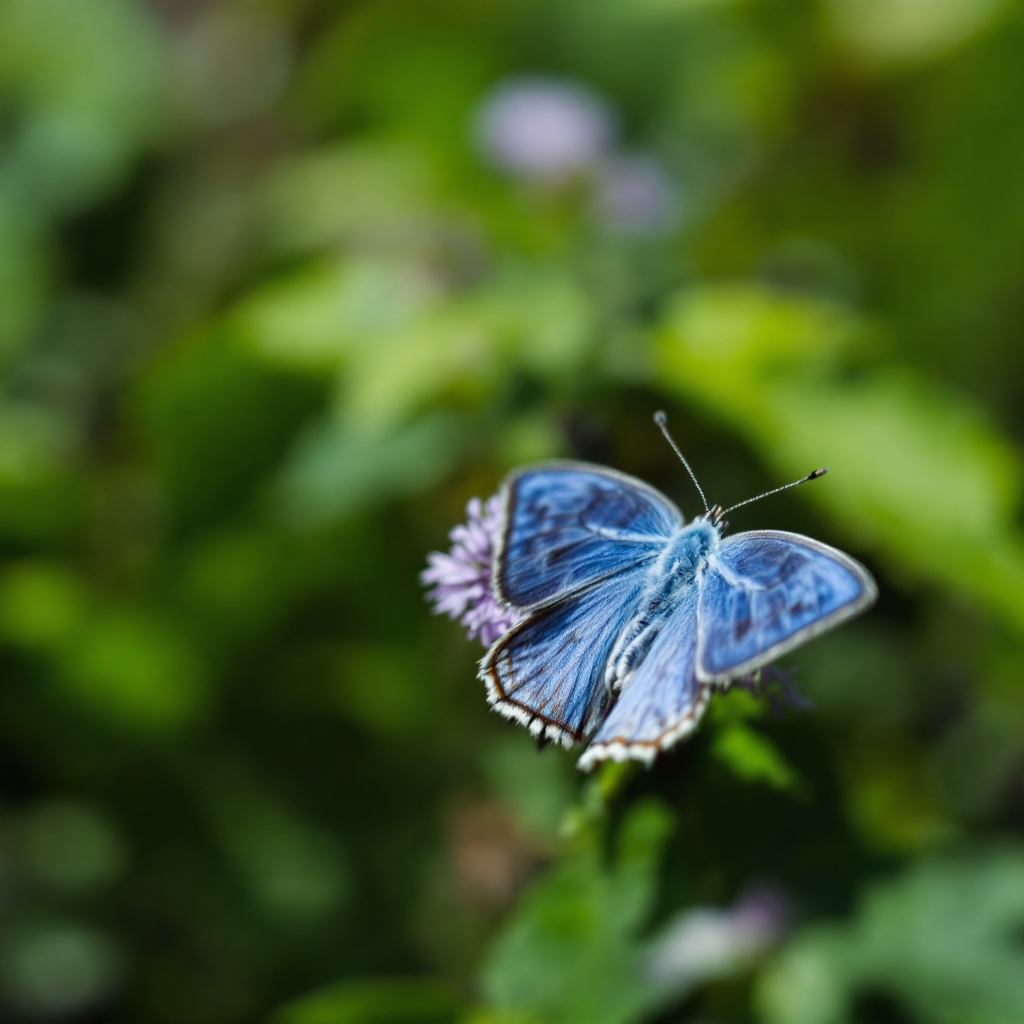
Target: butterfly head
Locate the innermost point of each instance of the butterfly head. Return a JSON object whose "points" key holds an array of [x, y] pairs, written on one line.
{"points": [[716, 517]]}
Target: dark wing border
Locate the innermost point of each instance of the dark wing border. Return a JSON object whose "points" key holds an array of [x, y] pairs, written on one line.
{"points": [[540, 726], [647, 751]]}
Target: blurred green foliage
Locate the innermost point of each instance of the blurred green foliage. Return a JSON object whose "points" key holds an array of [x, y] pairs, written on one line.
{"points": [[280, 290], [584, 917], [943, 939]]}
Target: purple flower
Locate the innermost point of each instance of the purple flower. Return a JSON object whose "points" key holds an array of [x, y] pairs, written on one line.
{"points": [[763, 911], [635, 194], [461, 579], [543, 130]]}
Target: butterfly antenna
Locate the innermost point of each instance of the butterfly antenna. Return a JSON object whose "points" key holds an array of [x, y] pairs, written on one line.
{"points": [[785, 487], [661, 419]]}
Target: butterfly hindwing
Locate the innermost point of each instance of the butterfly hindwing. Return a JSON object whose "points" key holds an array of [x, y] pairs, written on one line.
{"points": [[568, 525], [548, 672], [662, 701], [765, 592]]}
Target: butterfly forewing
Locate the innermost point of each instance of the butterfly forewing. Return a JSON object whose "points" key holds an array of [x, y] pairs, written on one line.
{"points": [[765, 592], [569, 525]]}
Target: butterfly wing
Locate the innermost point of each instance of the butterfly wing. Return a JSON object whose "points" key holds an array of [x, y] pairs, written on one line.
{"points": [[765, 592], [570, 524], [548, 672], [661, 701]]}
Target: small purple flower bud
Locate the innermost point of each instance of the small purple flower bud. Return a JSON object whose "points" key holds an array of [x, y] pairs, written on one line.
{"points": [[763, 911], [461, 579], [543, 130], [634, 194]]}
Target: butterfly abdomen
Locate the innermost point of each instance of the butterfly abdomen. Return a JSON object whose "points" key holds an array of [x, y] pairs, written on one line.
{"points": [[668, 585]]}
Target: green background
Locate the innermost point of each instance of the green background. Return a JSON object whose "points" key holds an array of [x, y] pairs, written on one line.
{"points": [[269, 317]]}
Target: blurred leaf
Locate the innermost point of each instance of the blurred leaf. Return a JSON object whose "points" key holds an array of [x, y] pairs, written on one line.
{"points": [[372, 63], [318, 318], [405, 335], [60, 968], [897, 32], [34, 445], [891, 799], [135, 670], [944, 939], [92, 88], [571, 953], [540, 321], [22, 272], [371, 190], [978, 756], [69, 846], [809, 983], [771, 367], [337, 469], [736, 704], [539, 789], [238, 581], [399, 1001], [487, 1016], [218, 422], [41, 605], [752, 757], [292, 870], [380, 687]]}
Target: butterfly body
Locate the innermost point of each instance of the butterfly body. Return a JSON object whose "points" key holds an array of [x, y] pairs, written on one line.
{"points": [[633, 616], [672, 574]]}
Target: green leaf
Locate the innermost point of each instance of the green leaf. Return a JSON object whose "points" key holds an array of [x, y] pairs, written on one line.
{"points": [[317, 318], [775, 369], [405, 335], [570, 955], [89, 72], [338, 468], [894, 33], [753, 757], [136, 670], [41, 604], [355, 190], [397, 1001], [943, 939], [539, 789]]}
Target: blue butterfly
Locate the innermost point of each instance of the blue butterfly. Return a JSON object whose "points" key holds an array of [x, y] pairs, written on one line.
{"points": [[634, 616]]}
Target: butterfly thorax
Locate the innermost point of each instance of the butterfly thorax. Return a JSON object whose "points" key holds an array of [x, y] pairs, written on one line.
{"points": [[677, 567], [669, 582], [689, 548]]}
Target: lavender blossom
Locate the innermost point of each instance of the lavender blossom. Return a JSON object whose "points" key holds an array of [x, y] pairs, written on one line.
{"points": [[543, 130], [635, 195], [461, 579]]}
